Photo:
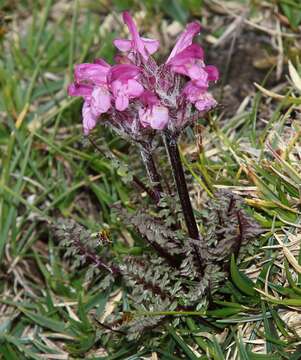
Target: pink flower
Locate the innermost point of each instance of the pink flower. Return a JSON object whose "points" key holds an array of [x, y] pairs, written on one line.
{"points": [[152, 114], [137, 94], [91, 73], [124, 91], [143, 46], [155, 117], [89, 119], [198, 96], [100, 100], [124, 85], [185, 39], [148, 98], [212, 71], [91, 84], [97, 102], [123, 72], [188, 59], [205, 102], [80, 90]]}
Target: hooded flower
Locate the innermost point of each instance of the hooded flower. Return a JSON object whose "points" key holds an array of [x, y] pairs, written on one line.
{"points": [[140, 96], [91, 83], [80, 90], [124, 84], [188, 59], [94, 74], [199, 96], [143, 46], [155, 117], [185, 39], [152, 114], [89, 120]]}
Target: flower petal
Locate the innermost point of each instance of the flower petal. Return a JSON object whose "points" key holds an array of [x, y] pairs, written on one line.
{"points": [[193, 92], [116, 87], [148, 98], [123, 72], [102, 62], [151, 45], [123, 45], [134, 89], [159, 118], [143, 46], [185, 39], [100, 101], [91, 73], [143, 116], [191, 53], [79, 90], [189, 62], [212, 71], [197, 72], [205, 102], [89, 120], [121, 103], [155, 117], [137, 42]]}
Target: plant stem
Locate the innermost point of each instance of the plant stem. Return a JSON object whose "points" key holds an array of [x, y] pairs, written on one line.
{"points": [[178, 173], [148, 190], [152, 172], [170, 313], [179, 176], [95, 259]]}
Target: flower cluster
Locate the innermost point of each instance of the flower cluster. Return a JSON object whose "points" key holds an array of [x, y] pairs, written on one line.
{"points": [[138, 95]]}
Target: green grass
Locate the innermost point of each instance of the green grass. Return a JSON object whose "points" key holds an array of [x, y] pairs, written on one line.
{"points": [[49, 171]]}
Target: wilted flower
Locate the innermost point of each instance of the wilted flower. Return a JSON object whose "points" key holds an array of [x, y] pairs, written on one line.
{"points": [[139, 96]]}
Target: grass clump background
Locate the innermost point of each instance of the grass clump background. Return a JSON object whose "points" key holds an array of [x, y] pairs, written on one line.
{"points": [[56, 185]]}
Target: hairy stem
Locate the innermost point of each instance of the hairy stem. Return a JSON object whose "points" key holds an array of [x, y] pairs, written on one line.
{"points": [[152, 194], [179, 176], [93, 258], [152, 172]]}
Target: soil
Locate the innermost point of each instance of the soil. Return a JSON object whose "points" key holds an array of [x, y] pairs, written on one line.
{"points": [[241, 62]]}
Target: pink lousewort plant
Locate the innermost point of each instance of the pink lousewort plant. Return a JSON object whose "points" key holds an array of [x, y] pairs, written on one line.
{"points": [[136, 95]]}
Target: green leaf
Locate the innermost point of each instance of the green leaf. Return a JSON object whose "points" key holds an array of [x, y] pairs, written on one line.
{"points": [[269, 329], [243, 354], [254, 356], [181, 343], [44, 321], [223, 312], [290, 280], [292, 10], [241, 281], [176, 10]]}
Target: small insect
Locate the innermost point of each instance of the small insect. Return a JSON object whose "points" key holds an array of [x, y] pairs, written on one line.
{"points": [[104, 236], [127, 317]]}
